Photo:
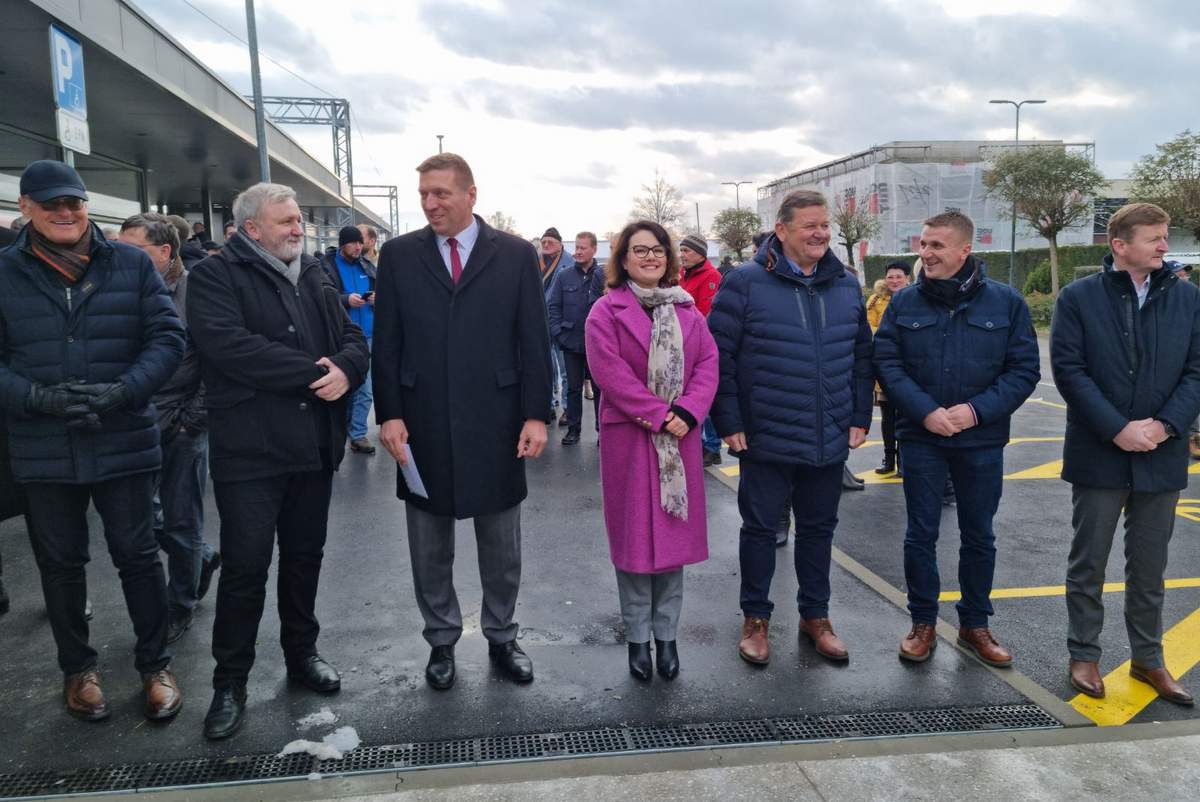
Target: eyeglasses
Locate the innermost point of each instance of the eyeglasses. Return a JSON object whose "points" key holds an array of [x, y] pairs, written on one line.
{"points": [[54, 204], [641, 251]]}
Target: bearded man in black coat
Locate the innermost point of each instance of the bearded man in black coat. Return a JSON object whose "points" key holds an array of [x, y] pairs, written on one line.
{"points": [[462, 378]]}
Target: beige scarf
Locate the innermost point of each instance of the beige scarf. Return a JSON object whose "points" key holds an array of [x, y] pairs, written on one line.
{"points": [[664, 377]]}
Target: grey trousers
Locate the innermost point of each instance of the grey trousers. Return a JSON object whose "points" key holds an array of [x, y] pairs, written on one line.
{"points": [[1149, 522], [431, 551], [650, 604]]}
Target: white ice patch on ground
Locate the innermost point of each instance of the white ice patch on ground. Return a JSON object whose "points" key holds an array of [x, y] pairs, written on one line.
{"points": [[332, 747], [323, 718]]}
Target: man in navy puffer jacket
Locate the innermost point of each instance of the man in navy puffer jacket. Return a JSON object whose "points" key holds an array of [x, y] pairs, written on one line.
{"points": [[794, 398], [957, 355]]}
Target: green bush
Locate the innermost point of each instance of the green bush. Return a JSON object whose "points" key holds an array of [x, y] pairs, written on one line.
{"points": [[1041, 309], [1039, 279], [997, 261]]}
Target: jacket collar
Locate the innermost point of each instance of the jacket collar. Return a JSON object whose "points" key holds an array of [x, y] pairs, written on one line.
{"points": [[770, 256], [481, 254], [241, 251], [969, 279], [1114, 273]]}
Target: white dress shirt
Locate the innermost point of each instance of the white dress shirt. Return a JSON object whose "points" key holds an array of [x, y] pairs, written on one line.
{"points": [[466, 243]]}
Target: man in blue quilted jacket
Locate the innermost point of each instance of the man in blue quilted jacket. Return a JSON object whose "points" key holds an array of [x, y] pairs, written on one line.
{"points": [[794, 397], [958, 355]]}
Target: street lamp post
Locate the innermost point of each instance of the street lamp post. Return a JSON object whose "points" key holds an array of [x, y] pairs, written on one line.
{"points": [[737, 195], [439, 136], [1012, 246], [260, 121]]}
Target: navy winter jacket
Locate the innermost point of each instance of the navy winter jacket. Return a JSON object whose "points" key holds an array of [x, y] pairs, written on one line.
{"points": [[117, 324], [1114, 363], [795, 359], [981, 351], [568, 302]]}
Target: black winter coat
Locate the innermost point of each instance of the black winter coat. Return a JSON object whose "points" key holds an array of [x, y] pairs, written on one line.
{"points": [[258, 345], [180, 402], [1114, 363], [465, 366], [568, 302], [118, 325]]}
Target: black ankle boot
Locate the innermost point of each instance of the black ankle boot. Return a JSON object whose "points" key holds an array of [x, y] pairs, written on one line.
{"points": [[639, 660], [888, 465], [667, 658]]}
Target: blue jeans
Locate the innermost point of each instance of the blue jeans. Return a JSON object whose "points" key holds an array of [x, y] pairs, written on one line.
{"points": [[764, 492], [360, 405], [708, 437], [179, 516], [978, 475]]}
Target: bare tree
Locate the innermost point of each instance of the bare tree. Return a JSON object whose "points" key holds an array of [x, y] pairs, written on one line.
{"points": [[660, 201], [502, 222], [1051, 188], [855, 224]]}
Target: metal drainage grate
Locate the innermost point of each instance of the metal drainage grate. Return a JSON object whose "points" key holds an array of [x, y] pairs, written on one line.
{"points": [[546, 746]]}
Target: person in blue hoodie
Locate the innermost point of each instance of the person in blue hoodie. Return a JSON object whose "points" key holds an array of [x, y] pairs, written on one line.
{"points": [[794, 397], [354, 276]]}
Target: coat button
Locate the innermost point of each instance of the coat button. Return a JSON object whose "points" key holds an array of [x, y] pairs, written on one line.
{"points": [[292, 329], [916, 325], [70, 339], [988, 324], [303, 405]]}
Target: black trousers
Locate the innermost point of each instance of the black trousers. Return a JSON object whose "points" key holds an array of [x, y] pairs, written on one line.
{"points": [[294, 506], [58, 532], [577, 373], [887, 414]]}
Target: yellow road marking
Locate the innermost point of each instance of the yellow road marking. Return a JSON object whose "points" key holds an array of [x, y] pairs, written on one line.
{"points": [[1194, 467], [1125, 697], [1044, 402], [1061, 590], [1050, 470]]}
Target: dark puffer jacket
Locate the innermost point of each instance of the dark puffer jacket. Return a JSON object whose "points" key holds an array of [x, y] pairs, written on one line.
{"points": [[795, 359], [118, 326], [981, 350], [1114, 363]]}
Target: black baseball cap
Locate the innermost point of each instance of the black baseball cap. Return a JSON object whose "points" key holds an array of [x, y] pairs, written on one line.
{"points": [[46, 179]]}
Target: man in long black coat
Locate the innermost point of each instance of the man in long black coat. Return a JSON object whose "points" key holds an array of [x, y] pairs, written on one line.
{"points": [[461, 365], [278, 356]]}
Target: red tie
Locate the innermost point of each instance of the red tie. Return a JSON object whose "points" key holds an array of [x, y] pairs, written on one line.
{"points": [[455, 260]]}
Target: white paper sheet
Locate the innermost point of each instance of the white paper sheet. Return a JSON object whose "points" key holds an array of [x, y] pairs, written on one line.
{"points": [[412, 477]]}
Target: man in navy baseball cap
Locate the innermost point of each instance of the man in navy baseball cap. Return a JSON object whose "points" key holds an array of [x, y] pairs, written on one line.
{"points": [[46, 179]]}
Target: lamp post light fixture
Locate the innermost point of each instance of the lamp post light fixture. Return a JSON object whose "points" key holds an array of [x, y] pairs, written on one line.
{"points": [[439, 136], [737, 195], [1012, 247]]}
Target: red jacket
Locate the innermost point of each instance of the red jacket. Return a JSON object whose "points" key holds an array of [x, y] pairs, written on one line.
{"points": [[701, 283]]}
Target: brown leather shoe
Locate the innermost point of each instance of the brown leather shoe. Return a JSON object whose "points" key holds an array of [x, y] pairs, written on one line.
{"points": [[754, 646], [820, 632], [1161, 681], [163, 699], [985, 646], [1085, 678], [85, 700], [919, 643]]}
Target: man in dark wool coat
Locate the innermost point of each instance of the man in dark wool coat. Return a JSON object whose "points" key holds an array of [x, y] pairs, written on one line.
{"points": [[462, 378]]}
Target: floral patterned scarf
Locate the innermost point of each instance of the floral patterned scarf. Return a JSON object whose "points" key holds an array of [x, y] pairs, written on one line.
{"points": [[664, 377]]}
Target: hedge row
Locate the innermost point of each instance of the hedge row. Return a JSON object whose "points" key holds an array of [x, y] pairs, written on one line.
{"points": [[1027, 261]]}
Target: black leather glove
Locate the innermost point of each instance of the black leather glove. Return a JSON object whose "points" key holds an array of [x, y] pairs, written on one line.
{"points": [[105, 398], [89, 422], [57, 401]]}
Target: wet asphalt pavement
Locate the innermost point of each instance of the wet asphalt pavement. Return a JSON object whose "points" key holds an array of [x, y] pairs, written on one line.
{"points": [[569, 625]]}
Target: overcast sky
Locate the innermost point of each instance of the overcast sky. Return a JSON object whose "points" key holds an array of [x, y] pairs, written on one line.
{"points": [[565, 107]]}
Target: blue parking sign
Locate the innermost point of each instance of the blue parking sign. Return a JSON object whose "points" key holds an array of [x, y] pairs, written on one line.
{"points": [[66, 62]]}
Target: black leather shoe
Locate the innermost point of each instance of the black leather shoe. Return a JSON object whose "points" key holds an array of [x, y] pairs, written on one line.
{"points": [[667, 658], [639, 661], [570, 438], [226, 713], [207, 569], [177, 624], [439, 672], [511, 660], [316, 674]]}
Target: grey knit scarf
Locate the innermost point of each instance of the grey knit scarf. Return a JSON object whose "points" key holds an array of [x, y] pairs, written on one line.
{"points": [[289, 271]]}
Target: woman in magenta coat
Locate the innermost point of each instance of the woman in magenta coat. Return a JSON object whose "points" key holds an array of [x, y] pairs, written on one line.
{"points": [[651, 352]]}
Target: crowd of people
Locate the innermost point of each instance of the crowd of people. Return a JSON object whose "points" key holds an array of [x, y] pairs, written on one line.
{"points": [[134, 367]]}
